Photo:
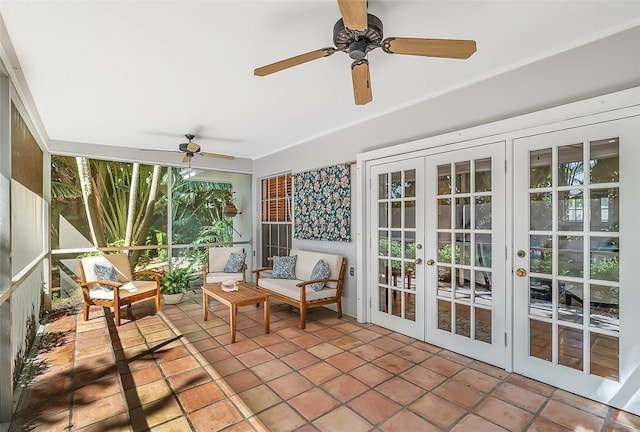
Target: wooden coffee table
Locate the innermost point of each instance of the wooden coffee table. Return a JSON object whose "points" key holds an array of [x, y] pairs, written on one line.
{"points": [[245, 295]]}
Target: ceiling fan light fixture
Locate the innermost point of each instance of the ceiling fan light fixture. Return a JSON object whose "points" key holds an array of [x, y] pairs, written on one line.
{"points": [[358, 49]]}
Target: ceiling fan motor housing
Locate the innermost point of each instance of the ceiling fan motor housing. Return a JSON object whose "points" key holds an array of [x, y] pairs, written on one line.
{"points": [[358, 44]]}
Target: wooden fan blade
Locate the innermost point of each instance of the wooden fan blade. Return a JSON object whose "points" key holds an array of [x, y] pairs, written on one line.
{"points": [[354, 14], [361, 82], [216, 155], [293, 61], [192, 147], [447, 48], [186, 159]]}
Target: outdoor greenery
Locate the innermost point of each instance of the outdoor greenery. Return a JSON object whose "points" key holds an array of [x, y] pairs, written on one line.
{"points": [[444, 253], [396, 252], [177, 280], [607, 268], [115, 204], [125, 204]]}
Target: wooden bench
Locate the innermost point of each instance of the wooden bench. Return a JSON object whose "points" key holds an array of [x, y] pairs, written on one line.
{"points": [[298, 292]]}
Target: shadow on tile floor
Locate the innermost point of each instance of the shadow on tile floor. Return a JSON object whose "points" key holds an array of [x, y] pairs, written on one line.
{"points": [[172, 371]]}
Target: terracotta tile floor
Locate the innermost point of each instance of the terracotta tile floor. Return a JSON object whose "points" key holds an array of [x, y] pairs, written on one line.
{"points": [[171, 371]]}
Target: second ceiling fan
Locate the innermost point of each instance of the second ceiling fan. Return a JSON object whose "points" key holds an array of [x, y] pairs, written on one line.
{"points": [[190, 149], [359, 32]]}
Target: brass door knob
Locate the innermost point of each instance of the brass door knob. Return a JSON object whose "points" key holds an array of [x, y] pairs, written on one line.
{"points": [[521, 272], [418, 261], [430, 262]]}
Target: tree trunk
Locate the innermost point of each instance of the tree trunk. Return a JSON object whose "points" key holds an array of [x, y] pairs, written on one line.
{"points": [[132, 207], [91, 206], [148, 216]]}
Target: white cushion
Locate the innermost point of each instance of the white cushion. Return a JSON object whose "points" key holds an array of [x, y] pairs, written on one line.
{"points": [[218, 277], [288, 288], [307, 260], [218, 257], [119, 261], [131, 287]]}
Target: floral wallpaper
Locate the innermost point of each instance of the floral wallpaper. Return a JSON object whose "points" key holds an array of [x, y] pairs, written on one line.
{"points": [[322, 204]]}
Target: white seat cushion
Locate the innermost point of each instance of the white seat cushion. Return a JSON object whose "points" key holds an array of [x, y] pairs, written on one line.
{"points": [[216, 277], [288, 288], [126, 290]]}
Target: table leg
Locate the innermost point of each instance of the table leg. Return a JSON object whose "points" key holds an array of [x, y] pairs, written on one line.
{"points": [[267, 314], [233, 311], [205, 304]]}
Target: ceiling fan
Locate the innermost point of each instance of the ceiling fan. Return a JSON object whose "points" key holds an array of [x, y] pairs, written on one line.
{"points": [[190, 149], [359, 32]]}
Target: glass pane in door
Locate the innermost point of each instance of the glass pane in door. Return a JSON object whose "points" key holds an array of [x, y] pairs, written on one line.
{"points": [[464, 254], [396, 203], [574, 249]]}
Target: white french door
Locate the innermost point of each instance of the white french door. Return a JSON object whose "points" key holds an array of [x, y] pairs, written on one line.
{"points": [[576, 249], [397, 209], [437, 249], [465, 258]]}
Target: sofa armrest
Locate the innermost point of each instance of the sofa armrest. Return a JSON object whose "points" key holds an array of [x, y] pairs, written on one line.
{"points": [[303, 286], [258, 271], [244, 272], [305, 283], [204, 269], [261, 269]]}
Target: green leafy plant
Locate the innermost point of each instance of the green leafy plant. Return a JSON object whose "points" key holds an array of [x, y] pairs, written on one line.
{"points": [[606, 269], [396, 252], [177, 280], [444, 253]]}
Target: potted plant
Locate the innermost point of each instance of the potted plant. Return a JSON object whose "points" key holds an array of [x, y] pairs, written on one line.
{"points": [[229, 209], [175, 283]]}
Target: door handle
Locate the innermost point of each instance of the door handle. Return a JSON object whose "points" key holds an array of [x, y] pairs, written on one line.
{"points": [[430, 262], [521, 272], [418, 261]]}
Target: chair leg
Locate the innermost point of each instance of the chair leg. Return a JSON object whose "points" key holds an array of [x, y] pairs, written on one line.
{"points": [[86, 311], [116, 312], [339, 307]]}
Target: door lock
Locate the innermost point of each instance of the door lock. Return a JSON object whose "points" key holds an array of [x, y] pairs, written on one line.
{"points": [[521, 272]]}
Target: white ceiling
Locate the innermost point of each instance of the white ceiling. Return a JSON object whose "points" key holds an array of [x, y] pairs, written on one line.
{"points": [[142, 74]]}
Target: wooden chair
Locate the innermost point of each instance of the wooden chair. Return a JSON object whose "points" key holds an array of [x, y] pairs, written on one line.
{"points": [[213, 271], [119, 288]]}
